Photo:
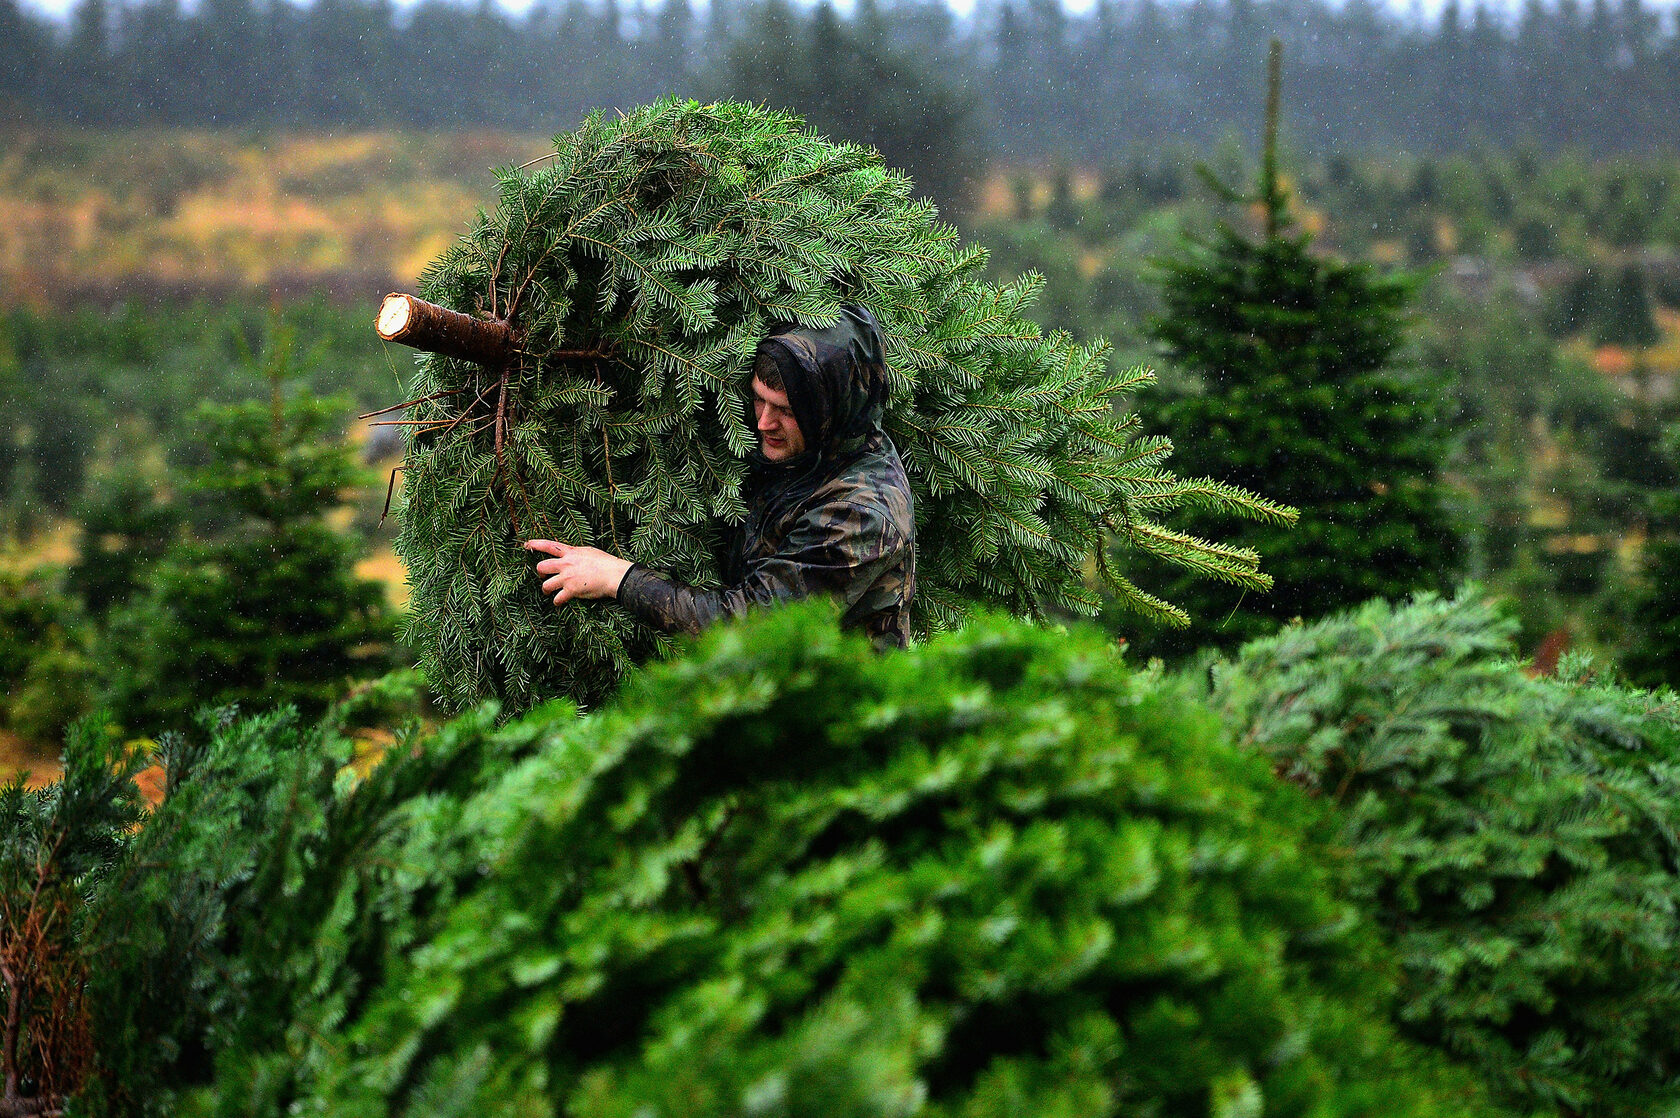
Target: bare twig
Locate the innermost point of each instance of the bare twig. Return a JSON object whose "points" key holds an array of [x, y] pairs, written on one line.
{"points": [[501, 416], [390, 489], [534, 162], [412, 403]]}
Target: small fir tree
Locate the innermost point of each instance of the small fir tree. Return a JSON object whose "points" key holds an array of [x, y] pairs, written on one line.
{"points": [[1295, 395], [271, 610], [1627, 318], [1653, 658], [45, 662], [635, 273], [128, 524]]}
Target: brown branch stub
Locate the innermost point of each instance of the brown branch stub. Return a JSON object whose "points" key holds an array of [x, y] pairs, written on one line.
{"points": [[491, 342]]}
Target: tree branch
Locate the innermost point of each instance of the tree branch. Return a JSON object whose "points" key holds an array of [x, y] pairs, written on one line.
{"points": [[491, 342]]}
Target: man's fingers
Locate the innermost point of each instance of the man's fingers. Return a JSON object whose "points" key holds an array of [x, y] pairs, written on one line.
{"points": [[568, 574]]}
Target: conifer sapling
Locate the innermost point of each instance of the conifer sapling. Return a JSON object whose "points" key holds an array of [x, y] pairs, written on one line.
{"points": [[1296, 392]]}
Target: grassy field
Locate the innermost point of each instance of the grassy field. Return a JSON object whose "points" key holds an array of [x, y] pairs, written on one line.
{"points": [[110, 214], [97, 214]]}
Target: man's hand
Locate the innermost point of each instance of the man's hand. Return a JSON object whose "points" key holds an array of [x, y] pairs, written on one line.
{"points": [[578, 572]]}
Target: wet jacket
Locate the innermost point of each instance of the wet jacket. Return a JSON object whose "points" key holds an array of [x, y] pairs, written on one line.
{"points": [[838, 519]]}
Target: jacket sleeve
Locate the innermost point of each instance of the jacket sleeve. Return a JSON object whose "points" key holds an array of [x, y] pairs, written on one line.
{"points": [[833, 549]]}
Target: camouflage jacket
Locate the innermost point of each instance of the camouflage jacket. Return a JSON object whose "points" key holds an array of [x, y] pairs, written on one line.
{"points": [[852, 536], [838, 520]]}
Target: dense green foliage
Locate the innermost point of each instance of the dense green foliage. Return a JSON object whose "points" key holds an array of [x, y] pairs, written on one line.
{"points": [[102, 399], [128, 523], [53, 842], [1611, 310], [268, 610], [47, 438], [1654, 656], [1286, 360], [191, 925], [1000, 874], [45, 646], [643, 263], [1515, 838]]}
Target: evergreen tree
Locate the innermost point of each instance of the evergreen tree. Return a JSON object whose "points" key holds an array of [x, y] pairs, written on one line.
{"points": [[854, 86], [1626, 318], [1294, 394], [1654, 656], [996, 875], [128, 525], [48, 436], [54, 843], [640, 268], [1515, 838], [271, 610], [45, 661]]}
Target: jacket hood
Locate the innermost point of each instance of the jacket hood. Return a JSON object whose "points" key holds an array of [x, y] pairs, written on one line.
{"points": [[835, 378]]}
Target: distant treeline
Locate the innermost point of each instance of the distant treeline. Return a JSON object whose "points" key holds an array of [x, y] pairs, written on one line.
{"points": [[1022, 78]]}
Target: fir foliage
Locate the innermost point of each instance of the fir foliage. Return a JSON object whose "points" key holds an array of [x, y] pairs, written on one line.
{"points": [[190, 928], [1653, 657], [642, 263], [128, 523], [270, 610], [256, 900], [1288, 386], [45, 656], [1515, 837], [998, 875], [54, 842]]}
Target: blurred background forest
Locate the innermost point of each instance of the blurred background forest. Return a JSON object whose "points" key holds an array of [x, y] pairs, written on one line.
{"points": [[200, 207]]}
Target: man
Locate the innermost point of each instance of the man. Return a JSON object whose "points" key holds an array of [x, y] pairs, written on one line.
{"points": [[829, 506]]}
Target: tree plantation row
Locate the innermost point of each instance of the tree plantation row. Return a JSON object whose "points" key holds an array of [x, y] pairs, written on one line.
{"points": [[1536, 390], [1340, 850], [1371, 868]]}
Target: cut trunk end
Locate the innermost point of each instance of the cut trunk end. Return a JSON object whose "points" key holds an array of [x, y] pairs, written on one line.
{"points": [[434, 329]]}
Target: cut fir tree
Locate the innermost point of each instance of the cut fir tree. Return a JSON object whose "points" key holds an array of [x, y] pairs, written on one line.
{"points": [[634, 272]]}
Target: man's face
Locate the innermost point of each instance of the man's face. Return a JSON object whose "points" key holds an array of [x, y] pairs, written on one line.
{"points": [[778, 432]]}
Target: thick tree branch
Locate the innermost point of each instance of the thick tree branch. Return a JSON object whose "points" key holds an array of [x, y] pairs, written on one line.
{"points": [[491, 342]]}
